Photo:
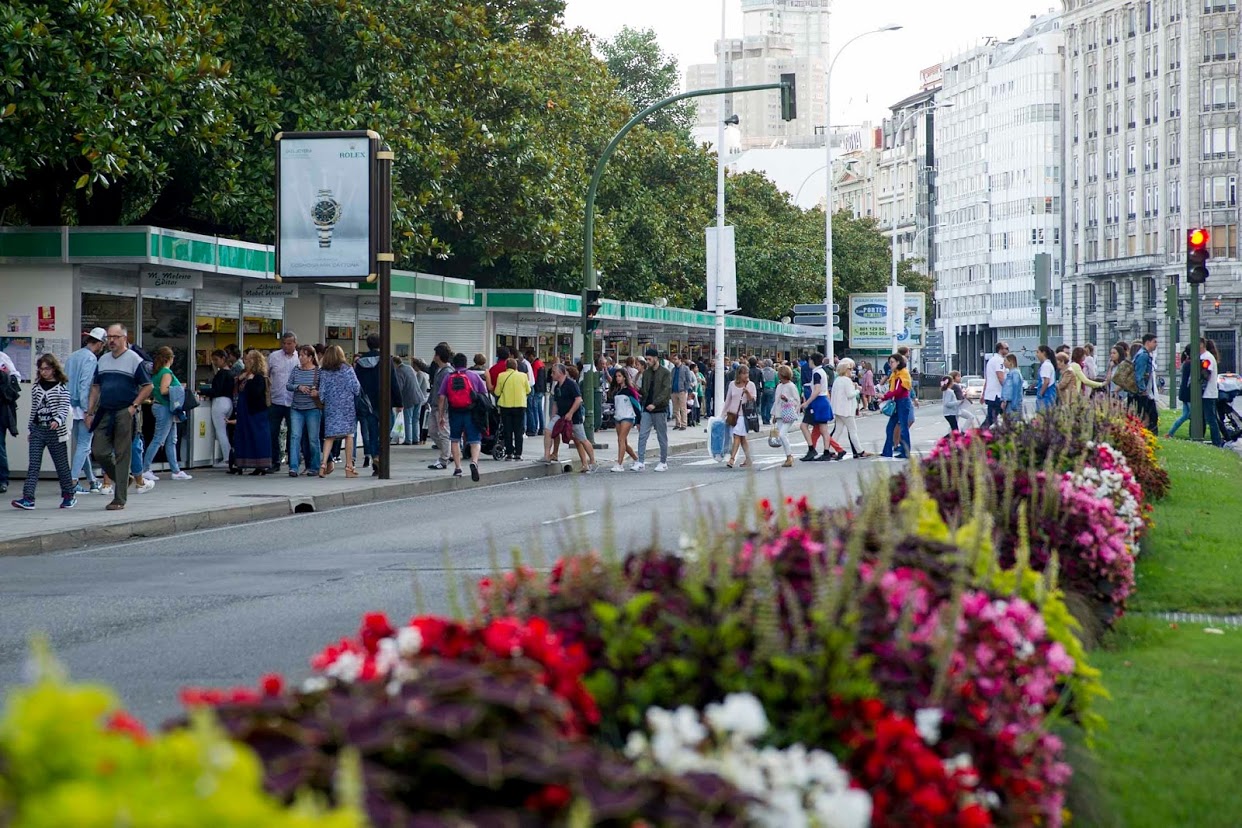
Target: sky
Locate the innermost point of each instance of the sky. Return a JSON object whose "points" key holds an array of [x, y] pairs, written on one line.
{"points": [[871, 75]]}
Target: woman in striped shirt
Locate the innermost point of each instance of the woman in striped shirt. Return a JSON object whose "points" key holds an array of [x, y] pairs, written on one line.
{"points": [[50, 417]]}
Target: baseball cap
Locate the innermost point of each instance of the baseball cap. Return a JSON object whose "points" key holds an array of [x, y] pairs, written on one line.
{"points": [[98, 334]]}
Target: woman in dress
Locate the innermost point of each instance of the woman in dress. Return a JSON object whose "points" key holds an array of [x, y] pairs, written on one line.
{"points": [[868, 385], [625, 406], [741, 392], [252, 447], [338, 386]]}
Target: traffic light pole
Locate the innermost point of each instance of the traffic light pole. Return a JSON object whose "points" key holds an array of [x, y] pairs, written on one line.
{"points": [[590, 277], [1196, 387], [1170, 310]]}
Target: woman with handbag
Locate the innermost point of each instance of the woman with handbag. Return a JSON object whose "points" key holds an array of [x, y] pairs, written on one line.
{"points": [[512, 392], [165, 423], [253, 444], [626, 405], [338, 390], [306, 412], [741, 412], [786, 402], [897, 408], [844, 398]]}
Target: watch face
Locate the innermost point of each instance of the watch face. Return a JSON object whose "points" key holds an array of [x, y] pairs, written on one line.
{"points": [[325, 211]]}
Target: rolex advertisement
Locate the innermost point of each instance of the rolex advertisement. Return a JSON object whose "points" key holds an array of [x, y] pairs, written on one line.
{"points": [[324, 207]]}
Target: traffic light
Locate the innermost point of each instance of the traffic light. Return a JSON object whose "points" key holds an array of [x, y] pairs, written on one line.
{"points": [[592, 307], [1197, 254], [789, 96]]}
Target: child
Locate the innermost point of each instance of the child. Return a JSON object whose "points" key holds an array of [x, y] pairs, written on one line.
{"points": [[50, 417], [1011, 390], [952, 405]]}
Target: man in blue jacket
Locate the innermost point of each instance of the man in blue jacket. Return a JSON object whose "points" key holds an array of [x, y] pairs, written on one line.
{"points": [[80, 368], [1144, 400]]}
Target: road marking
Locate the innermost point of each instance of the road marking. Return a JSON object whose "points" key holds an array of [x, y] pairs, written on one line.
{"points": [[695, 486], [568, 517]]}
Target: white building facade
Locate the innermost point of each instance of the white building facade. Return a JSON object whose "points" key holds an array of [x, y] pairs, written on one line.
{"points": [[1151, 137], [906, 199]]}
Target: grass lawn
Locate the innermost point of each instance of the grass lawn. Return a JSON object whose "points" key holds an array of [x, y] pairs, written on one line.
{"points": [[1192, 558], [1170, 755]]}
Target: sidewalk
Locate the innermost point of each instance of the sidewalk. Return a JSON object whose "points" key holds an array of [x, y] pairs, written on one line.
{"points": [[216, 498]]}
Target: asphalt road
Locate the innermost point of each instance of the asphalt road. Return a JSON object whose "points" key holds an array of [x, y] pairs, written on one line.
{"points": [[221, 607]]}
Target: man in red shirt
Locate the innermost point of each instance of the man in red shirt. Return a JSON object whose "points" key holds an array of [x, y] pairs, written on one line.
{"points": [[502, 356]]}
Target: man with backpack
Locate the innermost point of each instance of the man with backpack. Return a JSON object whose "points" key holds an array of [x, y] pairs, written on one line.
{"points": [[459, 393]]}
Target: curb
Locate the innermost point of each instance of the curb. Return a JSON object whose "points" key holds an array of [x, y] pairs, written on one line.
{"points": [[277, 507]]}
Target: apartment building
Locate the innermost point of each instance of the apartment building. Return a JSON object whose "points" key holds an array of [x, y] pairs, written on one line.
{"points": [[779, 37], [906, 198], [1151, 145]]}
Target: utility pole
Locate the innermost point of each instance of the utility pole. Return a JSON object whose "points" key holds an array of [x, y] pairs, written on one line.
{"points": [[1043, 286]]}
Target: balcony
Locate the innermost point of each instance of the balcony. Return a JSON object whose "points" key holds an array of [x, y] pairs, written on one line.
{"points": [[1130, 264]]}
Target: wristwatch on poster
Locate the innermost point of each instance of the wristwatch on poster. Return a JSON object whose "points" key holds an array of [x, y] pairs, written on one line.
{"points": [[325, 213]]}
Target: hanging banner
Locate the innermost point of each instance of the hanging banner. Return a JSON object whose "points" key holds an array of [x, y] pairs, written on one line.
{"points": [[162, 278], [325, 183], [868, 322], [728, 264]]}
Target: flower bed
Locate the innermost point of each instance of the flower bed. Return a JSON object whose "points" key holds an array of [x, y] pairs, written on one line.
{"points": [[910, 660]]}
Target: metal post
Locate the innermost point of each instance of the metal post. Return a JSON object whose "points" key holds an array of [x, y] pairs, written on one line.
{"points": [[893, 312], [1196, 389], [718, 390], [384, 273], [829, 333], [589, 277], [1171, 312], [1043, 321]]}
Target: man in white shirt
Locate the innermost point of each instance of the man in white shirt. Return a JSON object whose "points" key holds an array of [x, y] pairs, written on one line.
{"points": [[1088, 363], [80, 368], [993, 380], [7, 366], [1211, 392], [280, 365]]}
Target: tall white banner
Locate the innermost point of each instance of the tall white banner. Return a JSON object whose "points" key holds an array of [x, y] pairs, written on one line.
{"points": [[728, 292]]}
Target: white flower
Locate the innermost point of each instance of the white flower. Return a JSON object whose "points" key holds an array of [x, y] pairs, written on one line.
{"points": [[741, 714], [409, 641], [347, 667], [386, 656], [927, 722], [636, 745], [314, 684], [688, 726], [845, 809]]}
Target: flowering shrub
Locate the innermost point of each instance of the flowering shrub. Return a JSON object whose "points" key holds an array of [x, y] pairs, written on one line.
{"points": [[1125, 433], [70, 757], [1108, 475], [457, 724], [791, 787], [910, 784]]}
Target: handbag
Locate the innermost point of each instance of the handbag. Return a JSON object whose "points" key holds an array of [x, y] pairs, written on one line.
{"points": [[751, 412], [774, 438], [889, 408], [362, 405], [315, 392], [731, 419], [181, 403]]}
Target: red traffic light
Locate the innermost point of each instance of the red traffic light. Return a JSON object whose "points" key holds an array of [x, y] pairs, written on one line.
{"points": [[1199, 238]]}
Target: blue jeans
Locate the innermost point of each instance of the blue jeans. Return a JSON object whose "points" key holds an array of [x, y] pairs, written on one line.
{"points": [[81, 451], [900, 418], [370, 434], [1211, 421], [1046, 399], [534, 413], [410, 412], [304, 421], [135, 454], [1185, 418], [766, 399], [165, 436]]}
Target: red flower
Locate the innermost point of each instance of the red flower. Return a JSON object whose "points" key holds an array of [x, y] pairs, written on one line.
{"points": [[122, 722], [272, 685], [502, 637], [375, 627], [549, 798]]}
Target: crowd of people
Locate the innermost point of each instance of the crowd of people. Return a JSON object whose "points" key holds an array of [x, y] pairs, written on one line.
{"points": [[309, 407]]}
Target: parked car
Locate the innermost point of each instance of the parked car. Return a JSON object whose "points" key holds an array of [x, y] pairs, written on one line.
{"points": [[973, 388]]}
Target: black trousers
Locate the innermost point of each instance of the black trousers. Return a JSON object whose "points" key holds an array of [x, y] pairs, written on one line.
{"points": [[952, 421], [513, 421], [1145, 408]]}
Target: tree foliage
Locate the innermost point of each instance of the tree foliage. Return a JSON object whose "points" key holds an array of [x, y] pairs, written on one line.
{"points": [[164, 112]]}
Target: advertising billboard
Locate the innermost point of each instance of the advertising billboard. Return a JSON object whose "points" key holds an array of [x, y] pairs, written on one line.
{"points": [[868, 321], [324, 199]]}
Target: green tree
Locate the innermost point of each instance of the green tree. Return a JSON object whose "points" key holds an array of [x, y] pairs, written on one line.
{"points": [[97, 99], [646, 74]]}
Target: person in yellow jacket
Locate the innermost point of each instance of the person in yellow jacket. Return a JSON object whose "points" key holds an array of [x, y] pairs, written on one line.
{"points": [[512, 389]]}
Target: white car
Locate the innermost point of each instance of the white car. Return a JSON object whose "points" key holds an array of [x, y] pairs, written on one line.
{"points": [[973, 388]]}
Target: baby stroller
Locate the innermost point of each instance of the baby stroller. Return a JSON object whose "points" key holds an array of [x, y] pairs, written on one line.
{"points": [[1230, 389], [492, 431]]}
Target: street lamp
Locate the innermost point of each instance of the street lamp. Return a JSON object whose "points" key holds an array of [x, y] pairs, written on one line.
{"points": [[829, 337], [901, 126]]}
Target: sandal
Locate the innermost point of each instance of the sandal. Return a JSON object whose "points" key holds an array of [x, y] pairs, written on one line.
{"points": [[350, 471]]}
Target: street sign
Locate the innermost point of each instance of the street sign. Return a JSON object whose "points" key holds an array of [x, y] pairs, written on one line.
{"points": [[820, 308], [811, 319]]}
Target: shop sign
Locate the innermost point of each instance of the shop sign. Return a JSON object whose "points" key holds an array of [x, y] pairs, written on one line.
{"points": [[869, 321], [164, 278], [269, 290]]}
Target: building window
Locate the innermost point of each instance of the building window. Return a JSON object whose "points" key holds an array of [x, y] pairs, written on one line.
{"points": [[1220, 142], [1224, 239], [1220, 93], [1220, 44]]}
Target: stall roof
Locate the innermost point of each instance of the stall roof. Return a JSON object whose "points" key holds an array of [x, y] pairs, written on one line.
{"points": [[142, 244], [562, 304]]}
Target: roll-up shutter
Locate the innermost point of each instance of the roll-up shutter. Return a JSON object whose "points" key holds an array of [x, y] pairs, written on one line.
{"points": [[463, 331]]}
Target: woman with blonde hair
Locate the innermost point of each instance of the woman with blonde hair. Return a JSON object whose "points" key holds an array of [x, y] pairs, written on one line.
{"points": [[338, 386], [252, 446], [740, 394], [785, 409]]}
